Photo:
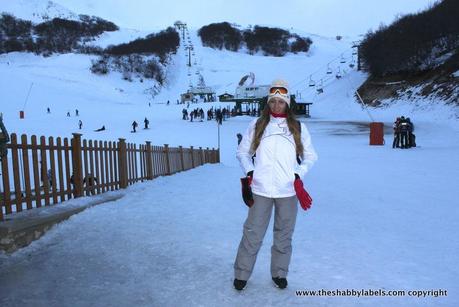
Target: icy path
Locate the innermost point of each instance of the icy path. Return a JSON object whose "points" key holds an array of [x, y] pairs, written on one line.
{"points": [[381, 219]]}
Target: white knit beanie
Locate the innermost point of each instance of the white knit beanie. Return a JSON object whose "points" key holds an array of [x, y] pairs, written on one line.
{"points": [[280, 83]]}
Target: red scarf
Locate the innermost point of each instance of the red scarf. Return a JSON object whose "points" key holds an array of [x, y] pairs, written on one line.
{"points": [[277, 115]]}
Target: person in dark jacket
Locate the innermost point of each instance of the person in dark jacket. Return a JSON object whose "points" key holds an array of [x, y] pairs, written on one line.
{"points": [[184, 114], [134, 125], [100, 129], [219, 116], [411, 136], [404, 127], [396, 127]]}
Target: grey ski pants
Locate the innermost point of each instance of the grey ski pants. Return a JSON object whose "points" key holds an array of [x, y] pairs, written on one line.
{"points": [[285, 211]]}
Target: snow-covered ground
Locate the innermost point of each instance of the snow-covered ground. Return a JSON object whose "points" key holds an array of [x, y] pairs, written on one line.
{"points": [[381, 218]]}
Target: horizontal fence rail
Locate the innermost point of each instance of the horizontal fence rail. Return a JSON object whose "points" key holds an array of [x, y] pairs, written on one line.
{"points": [[45, 171]]}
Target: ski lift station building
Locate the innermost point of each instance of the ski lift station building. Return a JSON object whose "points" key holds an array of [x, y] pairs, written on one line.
{"points": [[249, 95], [203, 92], [255, 95], [251, 91]]}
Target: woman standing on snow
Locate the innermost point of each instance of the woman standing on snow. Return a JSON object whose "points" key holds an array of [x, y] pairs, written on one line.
{"points": [[283, 155]]}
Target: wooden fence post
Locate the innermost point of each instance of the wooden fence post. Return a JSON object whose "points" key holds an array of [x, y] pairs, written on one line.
{"points": [[181, 158], [25, 159], [36, 171], [52, 167], [77, 166], [44, 169], [6, 201], [168, 162], [192, 156], [204, 154], [122, 163], [16, 172], [200, 155], [149, 161]]}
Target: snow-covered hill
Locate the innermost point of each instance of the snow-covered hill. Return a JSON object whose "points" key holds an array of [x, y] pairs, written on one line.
{"points": [[37, 10], [64, 83], [326, 17]]}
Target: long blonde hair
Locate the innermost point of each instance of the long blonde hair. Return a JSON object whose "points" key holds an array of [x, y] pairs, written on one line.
{"points": [[292, 124]]}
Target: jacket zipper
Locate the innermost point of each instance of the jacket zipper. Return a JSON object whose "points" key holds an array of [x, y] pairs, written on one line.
{"points": [[272, 167]]}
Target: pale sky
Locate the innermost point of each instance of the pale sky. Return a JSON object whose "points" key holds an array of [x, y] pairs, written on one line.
{"points": [[323, 17]]}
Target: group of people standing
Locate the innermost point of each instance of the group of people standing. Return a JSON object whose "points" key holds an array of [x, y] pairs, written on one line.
{"points": [[198, 114], [403, 133]]}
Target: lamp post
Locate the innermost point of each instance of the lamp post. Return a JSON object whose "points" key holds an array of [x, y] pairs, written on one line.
{"points": [[218, 124]]}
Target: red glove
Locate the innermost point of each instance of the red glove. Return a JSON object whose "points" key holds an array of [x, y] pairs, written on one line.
{"points": [[303, 196]]}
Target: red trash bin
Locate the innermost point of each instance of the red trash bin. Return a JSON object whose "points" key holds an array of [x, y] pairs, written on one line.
{"points": [[21, 114], [376, 133]]}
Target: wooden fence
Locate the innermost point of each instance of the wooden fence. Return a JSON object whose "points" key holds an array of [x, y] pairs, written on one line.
{"points": [[42, 173]]}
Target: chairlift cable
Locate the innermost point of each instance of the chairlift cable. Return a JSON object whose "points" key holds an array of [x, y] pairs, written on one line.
{"points": [[27, 98], [321, 68], [361, 100]]}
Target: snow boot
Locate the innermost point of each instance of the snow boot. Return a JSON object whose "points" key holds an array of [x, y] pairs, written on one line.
{"points": [[280, 282], [239, 284]]}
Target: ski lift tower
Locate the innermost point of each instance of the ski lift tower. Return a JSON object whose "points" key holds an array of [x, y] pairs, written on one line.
{"points": [[189, 48], [356, 45], [181, 26]]}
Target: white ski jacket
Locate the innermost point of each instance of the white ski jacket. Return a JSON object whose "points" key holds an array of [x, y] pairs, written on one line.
{"points": [[275, 162]]}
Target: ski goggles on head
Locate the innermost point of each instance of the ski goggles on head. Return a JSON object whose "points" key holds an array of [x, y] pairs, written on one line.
{"points": [[280, 90]]}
